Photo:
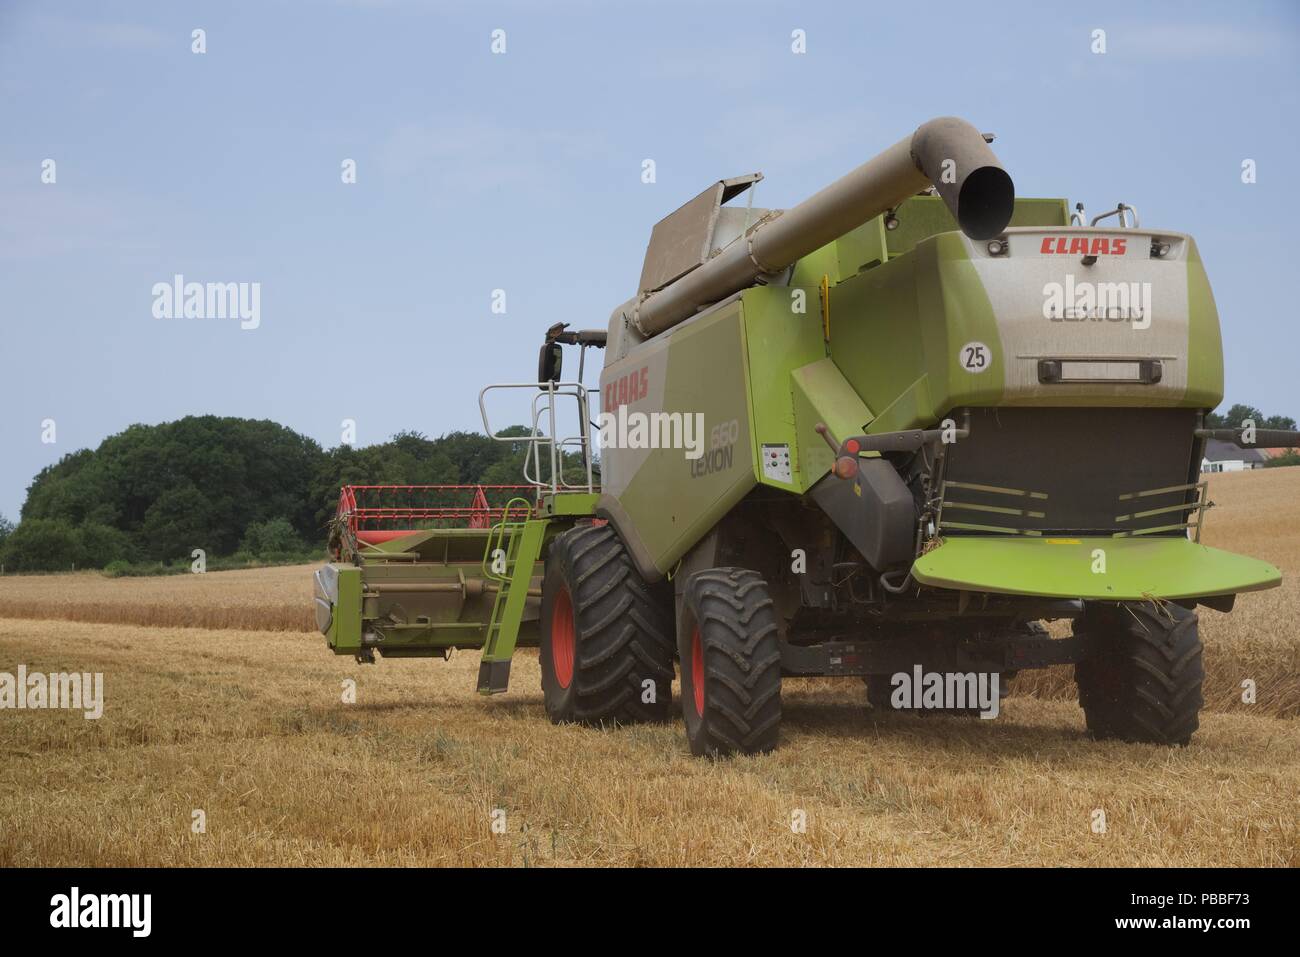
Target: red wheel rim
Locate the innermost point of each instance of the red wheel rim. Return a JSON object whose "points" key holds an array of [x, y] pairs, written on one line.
{"points": [[562, 638], [697, 670]]}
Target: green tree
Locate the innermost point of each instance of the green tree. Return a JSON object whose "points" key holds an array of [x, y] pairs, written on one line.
{"points": [[1234, 417], [41, 545], [180, 520], [1239, 413], [102, 544], [204, 481], [276, 535], [196, 482]]}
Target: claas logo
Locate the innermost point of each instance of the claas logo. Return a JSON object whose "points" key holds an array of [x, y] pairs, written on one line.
{"points": [[628, 388], [1083, 246]]}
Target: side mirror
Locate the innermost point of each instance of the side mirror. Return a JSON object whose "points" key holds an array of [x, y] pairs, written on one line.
{"points": [[550, 361]]}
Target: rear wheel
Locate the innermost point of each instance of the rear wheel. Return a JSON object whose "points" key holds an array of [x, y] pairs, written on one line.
{"points": [[730, 653], [1145, 683], [607, 650]]}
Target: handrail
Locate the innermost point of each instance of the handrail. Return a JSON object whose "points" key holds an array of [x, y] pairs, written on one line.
{"points": [[1122, 211], [544, 408], [497, 537]]}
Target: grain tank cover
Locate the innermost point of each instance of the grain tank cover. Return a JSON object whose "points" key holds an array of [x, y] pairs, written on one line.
{"points": [[688, 236]]}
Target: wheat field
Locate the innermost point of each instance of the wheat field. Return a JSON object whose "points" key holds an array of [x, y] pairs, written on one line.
{"points": [[260, 599], [248, 727]]}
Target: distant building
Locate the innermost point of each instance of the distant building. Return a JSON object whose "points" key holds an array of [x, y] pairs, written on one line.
{"points": [[1227, 457]]}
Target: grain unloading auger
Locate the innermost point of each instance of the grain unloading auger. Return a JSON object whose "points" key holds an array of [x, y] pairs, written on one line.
{"points": [[881, 434]]}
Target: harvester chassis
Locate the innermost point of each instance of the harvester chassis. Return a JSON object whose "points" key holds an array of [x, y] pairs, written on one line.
{"points": [[1016, 651], [848, 438]]}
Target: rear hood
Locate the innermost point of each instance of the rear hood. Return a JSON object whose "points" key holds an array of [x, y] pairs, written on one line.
{"points": [[1103, 569]]}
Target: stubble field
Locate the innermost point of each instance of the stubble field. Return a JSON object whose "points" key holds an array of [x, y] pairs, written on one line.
{"points": [[240, 717]]}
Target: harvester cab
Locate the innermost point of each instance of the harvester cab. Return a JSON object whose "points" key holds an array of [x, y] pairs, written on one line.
{"points": [[883, 434]]}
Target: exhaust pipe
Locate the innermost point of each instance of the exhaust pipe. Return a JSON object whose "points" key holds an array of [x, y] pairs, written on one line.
{"points": [[947, 153]]}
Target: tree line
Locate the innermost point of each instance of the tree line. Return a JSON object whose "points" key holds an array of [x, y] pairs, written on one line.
{"points": [[1239, 414], [258, 491], [231, 486]]}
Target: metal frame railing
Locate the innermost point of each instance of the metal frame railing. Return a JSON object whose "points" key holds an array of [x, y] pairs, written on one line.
{"points": [[1123, 211], [1022, 495], [541, 440], [1192, 512], [1197, 506]]}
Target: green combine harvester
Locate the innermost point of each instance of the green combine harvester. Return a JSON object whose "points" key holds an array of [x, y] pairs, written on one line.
{"points": [[882, 434]]}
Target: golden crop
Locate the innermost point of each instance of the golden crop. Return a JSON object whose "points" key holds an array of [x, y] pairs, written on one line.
{"points": [[249, 727]]}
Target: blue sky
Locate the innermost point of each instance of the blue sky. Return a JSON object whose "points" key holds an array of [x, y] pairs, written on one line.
{"points": [[521, 172]]}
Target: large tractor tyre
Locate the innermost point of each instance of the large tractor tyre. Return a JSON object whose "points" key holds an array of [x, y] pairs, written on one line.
{"points": [[1145, 682], [607, 646], [730, 653]]}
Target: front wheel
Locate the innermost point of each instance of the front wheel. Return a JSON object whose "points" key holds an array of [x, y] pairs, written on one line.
{"points": [[730, 652], [1144, 684], [607, 648]]}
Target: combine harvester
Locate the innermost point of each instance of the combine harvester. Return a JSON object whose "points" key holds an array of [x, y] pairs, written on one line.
{"points": [[885, 432]]}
